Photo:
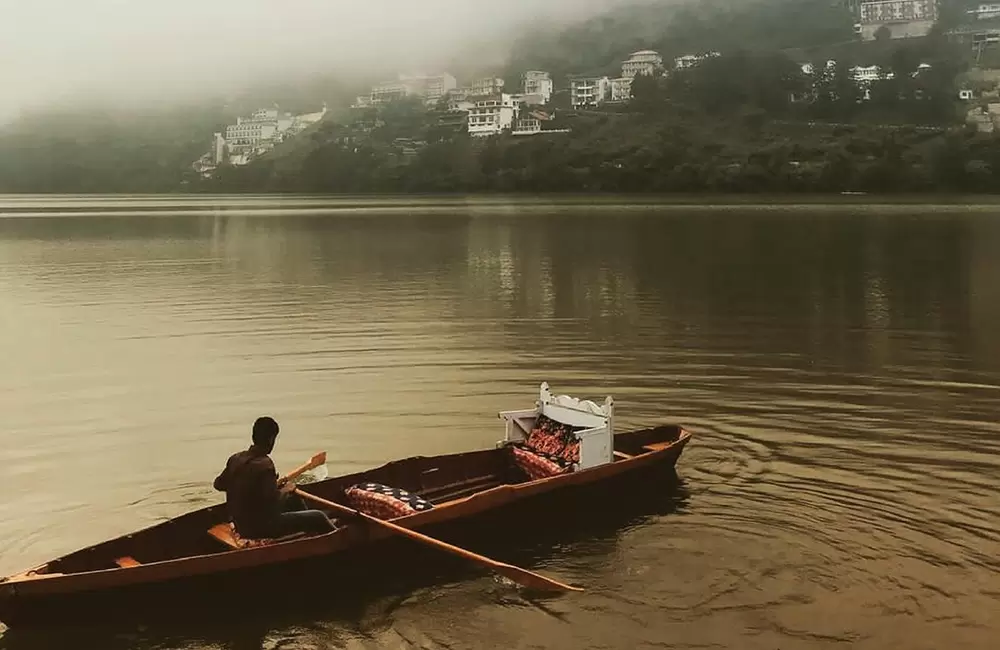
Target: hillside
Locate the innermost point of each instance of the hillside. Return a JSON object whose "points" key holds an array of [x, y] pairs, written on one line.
{"points": [[597, 46], [747, 90], [98, 148]]}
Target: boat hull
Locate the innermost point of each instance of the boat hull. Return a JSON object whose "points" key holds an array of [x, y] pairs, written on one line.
{"points": [[337, 567]]}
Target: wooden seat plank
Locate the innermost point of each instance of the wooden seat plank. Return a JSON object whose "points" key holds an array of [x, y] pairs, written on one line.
{"points": [[658, 446], [224, 534]]}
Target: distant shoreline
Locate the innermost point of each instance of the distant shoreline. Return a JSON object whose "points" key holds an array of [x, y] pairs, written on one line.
{"points": [[587, 199]]}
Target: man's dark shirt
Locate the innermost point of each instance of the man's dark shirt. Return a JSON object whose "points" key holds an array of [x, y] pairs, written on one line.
{"points": [[252, 495]]}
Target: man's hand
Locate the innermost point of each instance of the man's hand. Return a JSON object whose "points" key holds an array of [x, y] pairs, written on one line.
{"points": [[286, 487]]}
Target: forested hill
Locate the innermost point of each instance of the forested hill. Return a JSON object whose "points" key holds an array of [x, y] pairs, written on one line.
{"points": [[597, 45], [102, 148], [730, 124]]}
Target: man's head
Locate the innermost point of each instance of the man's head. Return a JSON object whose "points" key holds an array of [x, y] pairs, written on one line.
{"points": [[265, 430]]}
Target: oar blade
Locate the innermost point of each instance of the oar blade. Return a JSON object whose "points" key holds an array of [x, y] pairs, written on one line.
{"points": [[314, 475], [532, 580]]}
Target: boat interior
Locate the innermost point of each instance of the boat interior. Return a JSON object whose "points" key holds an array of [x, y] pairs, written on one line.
{"points": [[437, 480]]}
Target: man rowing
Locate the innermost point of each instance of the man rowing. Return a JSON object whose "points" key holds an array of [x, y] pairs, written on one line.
{"points": [[262, 505]]}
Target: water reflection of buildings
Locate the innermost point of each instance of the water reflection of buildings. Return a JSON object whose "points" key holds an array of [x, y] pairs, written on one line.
{"points": [[544, 270], [984, 286]]}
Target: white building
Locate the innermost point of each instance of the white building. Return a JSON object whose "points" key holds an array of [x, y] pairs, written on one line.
{"points": [[460, 104], [902, 18], [527, 126], [868, 74], [248, 132], [986, 11], [486, 86], [589, 92], [391, 91], [885, 11], [621, 89], [493, 115], [431, 87], [642, 62], [218, 151], [691, 60], [537, 82], [257, 134]]}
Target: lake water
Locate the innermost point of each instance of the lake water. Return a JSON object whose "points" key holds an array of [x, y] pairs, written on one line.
{"points": [[838, 364]]}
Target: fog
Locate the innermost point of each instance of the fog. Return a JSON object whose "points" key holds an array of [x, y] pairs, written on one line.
{"points": [[59, 51]]}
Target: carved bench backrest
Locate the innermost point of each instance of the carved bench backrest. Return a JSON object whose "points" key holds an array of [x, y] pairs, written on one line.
{"points": [[596, 437]]}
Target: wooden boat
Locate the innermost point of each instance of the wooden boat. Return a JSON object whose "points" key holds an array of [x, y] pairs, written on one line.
{"points": [[196, 558]]}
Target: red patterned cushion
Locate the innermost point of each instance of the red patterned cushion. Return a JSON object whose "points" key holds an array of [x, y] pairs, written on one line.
{"points": [[551, 438], [384, 502], [571, 453], [536, 466]]}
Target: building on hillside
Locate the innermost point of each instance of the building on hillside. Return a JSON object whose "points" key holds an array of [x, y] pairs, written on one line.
{"points": [[869, 74], [493, 115], [691, 60], [527, 126], [901, 18], [621, 89], [390, 91], [536, 99], [976, 36], [537, 82], [215, 156], [248, 132], [431, 87], [487, 86], [642, 62], [986, 11], [589, 92], [255, 135], [460, 104]]}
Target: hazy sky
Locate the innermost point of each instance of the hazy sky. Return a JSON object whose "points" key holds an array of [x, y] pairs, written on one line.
{"points": [[150, 48]]}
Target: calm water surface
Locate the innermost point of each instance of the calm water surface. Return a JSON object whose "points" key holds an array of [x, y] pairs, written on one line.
{"points": [[840, 366]]}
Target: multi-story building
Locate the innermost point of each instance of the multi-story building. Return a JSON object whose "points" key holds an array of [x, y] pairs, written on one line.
{"points": [[589, 91], [986, 11], [493, 115], [254, 135], [537, 82], [527, 126], [261, 126], [621, 89], [691, 60], [902, 18], [391, 91], [486, 86], [642, 62], [431, 88]]}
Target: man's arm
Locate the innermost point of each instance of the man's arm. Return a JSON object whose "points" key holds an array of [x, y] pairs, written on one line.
{"points": [[222, 480]]}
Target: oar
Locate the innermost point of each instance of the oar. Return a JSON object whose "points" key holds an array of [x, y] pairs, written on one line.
{"points": [[517, 574], [319, 460]]}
